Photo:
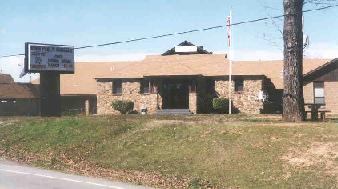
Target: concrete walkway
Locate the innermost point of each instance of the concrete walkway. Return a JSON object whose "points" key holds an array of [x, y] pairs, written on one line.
{"points": [[14, 176]]}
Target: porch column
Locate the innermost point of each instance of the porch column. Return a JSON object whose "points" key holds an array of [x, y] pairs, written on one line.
{"points": [[193, 102], [87, 106], [193, 97]]}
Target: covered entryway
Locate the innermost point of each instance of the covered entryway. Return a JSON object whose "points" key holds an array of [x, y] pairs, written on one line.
{"points": [[175, 94]]}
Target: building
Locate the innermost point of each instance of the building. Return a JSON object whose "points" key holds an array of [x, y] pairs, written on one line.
{"points": [[321, 86], [19, 99], [78, 90], [189, 77], [177, 81]]}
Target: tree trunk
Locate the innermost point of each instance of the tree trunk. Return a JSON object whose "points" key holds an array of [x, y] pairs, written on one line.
{"points": [[293, 101]]}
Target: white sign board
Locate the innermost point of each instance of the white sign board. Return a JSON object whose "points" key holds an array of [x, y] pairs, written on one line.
{"points": [[46, 57], [185, 49]]}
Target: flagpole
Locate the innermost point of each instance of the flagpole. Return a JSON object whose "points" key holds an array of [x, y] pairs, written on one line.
{"points": [[229, 21]]}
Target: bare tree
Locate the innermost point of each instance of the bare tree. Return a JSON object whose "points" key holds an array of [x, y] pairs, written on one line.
{"points": [[293, 101]]}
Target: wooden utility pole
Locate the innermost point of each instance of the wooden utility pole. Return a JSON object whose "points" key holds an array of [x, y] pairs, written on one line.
{"points": [[293, 101]]}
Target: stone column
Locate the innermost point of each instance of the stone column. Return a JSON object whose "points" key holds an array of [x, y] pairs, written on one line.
{"points": [[87, 107], [193, 102]]}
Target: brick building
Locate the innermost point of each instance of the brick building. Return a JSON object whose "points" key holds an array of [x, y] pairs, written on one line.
{"points": [[321, 86], [188, 77], [178, 82], [18, 98]]}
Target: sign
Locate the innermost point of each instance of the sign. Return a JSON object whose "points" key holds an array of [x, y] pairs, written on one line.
{"points": [[185, 49], [46, 57]]}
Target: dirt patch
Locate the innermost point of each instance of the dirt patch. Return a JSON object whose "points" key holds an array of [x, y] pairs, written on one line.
{"points": [[7, 122], [159, 123], [167, 122], [323, 154]]}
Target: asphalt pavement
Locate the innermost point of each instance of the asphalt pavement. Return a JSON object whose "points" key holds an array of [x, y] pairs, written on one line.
{"points": [[15, 176]]}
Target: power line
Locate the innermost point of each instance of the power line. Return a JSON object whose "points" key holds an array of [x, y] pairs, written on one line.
{"points": [[7, 56], [189, 31]]}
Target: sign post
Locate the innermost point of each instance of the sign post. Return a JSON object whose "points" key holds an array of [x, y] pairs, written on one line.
{"points": [[50, 61], [50, 100], [228, 25]]}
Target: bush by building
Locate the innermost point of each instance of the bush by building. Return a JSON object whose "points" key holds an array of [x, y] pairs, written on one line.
{"points": [[221, 105], [123, 106]]}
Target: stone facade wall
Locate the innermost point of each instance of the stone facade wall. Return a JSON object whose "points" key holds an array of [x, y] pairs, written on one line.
{"points": [[130, 91], [193, 102], [245, 101]]}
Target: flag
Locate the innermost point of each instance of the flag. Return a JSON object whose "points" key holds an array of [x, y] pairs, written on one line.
{"points": [[229, 30]]}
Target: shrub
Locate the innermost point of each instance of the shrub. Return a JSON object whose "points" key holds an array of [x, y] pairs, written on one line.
{"points": [[221, 105], [123, 106]]}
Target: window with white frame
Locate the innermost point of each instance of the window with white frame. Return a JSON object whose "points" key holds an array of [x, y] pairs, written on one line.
{"points": [[319, 95]]}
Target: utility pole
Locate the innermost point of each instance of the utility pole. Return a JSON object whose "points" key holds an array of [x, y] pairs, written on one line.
{"points": [[228, 24]]}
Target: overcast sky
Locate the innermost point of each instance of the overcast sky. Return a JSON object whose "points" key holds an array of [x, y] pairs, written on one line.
{"points": [[88, 22]]}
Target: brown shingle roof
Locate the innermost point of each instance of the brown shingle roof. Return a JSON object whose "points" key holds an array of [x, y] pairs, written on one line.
{"points": [[272, 69], [83, 82], [19, 91], [6, 78], [11, 90], [197, 64], [321, 70]]}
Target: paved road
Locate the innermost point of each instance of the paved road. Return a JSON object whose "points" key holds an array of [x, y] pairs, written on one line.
{"points": [[14, 176]]}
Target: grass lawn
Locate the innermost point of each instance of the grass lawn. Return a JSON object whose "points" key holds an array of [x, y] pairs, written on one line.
{"points": [[203, 151]]}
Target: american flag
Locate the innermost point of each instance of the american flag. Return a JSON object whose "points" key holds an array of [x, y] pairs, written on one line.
{"points": [[229, 30]]}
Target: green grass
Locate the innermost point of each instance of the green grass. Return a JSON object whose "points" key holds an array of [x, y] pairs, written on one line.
{"points": [[198, 151]]}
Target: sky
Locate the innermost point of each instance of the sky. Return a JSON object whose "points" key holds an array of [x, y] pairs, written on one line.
{"points": [[90, 22]]}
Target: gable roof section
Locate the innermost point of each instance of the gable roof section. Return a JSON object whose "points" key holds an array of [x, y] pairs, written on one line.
{"points": [[200, 49], [321, 70]]}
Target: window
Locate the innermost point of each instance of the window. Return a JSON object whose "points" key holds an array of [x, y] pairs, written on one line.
{"points": [[145, 87], [117, 87], [319, 97], [153, 87], [148, 87], [239, 85]]}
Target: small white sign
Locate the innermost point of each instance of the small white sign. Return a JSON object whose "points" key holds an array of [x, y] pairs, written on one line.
{"points": [[185, 49], [46, 57]]}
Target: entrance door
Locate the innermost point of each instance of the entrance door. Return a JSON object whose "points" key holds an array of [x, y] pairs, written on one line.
{"points": [[175, 95]]}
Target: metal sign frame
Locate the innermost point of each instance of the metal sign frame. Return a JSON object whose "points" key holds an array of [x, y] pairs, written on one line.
{"points": [[27, 67]]}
